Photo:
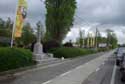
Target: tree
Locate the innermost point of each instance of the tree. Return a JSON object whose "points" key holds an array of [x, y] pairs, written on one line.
{"points": [[68, 44], [28, 36], [6, 27], [2, 22], [80, 39], [59, 19], [111, 38], [8, 24]]}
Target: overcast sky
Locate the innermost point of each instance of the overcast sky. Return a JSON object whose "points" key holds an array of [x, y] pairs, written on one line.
{"points": [[103, 14]]}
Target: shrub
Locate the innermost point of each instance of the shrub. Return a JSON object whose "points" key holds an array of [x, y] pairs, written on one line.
{"points": [[70, 52], [12, 58], [4, 45], [68, 44], [50, 44]]}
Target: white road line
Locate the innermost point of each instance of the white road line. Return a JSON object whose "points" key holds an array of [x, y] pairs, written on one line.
{"points": [[39, 68], [87, 63], [56, 77], [97, 69], [79, 67], [47, 82], [103, 63], [66, 73], [113, 75]]}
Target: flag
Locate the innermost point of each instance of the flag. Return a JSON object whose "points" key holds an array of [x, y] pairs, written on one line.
{"points": [[88, 40], [20, 17]]}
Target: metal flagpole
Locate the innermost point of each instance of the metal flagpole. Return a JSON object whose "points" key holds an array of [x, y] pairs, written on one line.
{"points": [[14, 25], [96, 39]]}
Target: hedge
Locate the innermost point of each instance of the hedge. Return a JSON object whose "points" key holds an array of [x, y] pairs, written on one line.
{"points": [[12, 58], [68, 52]]}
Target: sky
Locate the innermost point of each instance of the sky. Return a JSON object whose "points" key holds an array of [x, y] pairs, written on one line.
{"points": [[90, 14]]}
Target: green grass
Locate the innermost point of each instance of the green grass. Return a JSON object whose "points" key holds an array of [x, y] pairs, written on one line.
{"points": [[12, 58], [70, 52]]}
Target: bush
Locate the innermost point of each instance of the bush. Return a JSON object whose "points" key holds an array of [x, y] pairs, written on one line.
{"points": [[50, 44], [12, 58], [68, 44], [70, 52], [4, 45]]}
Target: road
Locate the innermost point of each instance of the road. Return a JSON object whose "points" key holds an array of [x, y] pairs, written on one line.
{"points": [[102, 75], [107, 73], [44, 74]]}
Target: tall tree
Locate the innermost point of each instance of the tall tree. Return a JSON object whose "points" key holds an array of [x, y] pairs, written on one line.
{"points": [[80, 39], [111, 38], [59, 18]]}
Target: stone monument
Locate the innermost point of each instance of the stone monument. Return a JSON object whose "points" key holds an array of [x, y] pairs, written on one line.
{"points": [[38, 48]]}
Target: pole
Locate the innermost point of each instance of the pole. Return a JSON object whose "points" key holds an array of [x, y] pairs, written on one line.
{"points": [[96, 43], [14, 26]]}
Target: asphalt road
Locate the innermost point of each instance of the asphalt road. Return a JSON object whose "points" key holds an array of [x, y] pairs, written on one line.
{"points": [[44, 74], [104, 74], [118, 77]]}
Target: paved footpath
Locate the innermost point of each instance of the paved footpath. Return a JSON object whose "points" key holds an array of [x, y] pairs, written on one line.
{"points": [[79, 74]]}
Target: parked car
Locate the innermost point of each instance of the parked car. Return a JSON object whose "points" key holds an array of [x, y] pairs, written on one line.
{"points": [[116, 51], [123, 68], [119, 55]]}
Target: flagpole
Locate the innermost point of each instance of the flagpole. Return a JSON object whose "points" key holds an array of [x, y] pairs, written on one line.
{"points": [[14, 26], [96, 38]]}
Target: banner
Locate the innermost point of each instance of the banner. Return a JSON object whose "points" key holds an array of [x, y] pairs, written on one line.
{"points": [[20, 17]]}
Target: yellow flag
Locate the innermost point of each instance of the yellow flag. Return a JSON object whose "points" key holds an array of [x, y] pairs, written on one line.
{"points": [[88, 42], [20, 17]]}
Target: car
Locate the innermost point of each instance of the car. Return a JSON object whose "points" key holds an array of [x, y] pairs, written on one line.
{"points": [[123, 68], [119, 55]]}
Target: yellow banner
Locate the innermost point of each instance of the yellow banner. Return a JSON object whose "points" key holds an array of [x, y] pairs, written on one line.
{"points": [[20, 17]]}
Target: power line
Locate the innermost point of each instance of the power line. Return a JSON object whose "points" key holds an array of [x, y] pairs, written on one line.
{"points": [[80, 18]]}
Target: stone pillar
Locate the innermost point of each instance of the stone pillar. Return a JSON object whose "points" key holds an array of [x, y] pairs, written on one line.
{"points": [[38, 48]]}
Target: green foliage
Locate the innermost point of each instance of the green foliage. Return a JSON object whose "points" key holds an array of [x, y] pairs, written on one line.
{"points": [[59, 18], [80, 40], [112, 40], [12, 58], [4, 45], [6, 27], [27, 36], [6, 31], [70, 52]]}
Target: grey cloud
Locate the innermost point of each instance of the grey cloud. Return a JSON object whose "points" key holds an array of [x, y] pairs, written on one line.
{"points": [[105, 13], [36, 10], [102, 11]]}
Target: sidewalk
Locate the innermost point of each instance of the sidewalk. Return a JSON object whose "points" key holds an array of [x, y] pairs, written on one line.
{"points": [[79, 74]]}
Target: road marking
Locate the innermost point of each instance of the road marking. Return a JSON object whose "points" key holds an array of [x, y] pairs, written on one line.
{"points": [[103, 63], [87, 63], [47, 82], [97, 69], [79, 67], [39, 68], [113, 75], [65, 73]]}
